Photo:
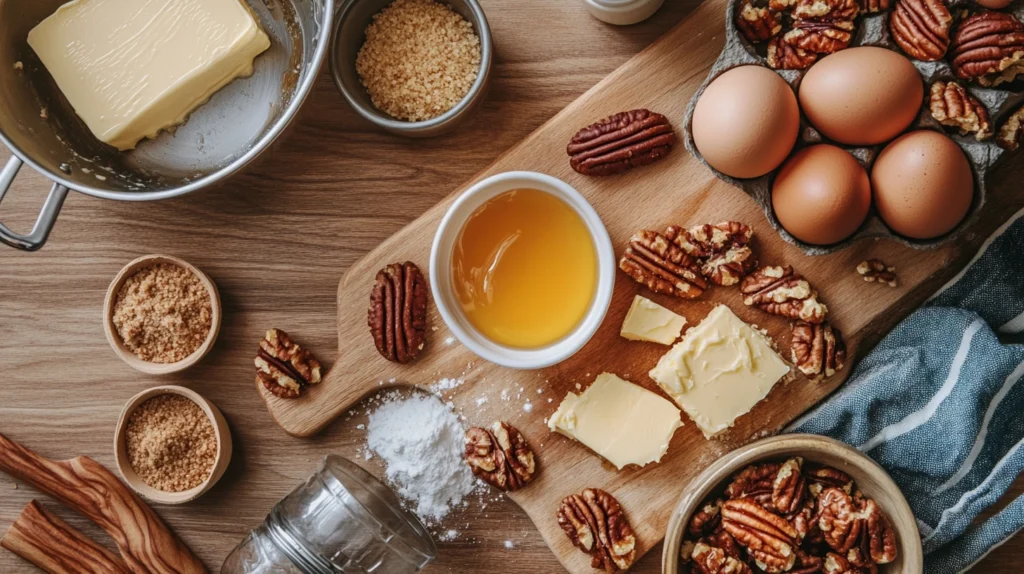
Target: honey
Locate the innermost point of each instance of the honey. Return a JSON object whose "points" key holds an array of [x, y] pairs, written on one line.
{"points": [[524, 269]]}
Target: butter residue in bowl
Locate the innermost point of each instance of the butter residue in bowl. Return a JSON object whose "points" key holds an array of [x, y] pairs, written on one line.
{"points": [[131, 68]]}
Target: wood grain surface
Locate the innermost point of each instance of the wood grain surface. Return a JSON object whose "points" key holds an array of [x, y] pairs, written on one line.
{"points": [[277, 241], [45, 540]]}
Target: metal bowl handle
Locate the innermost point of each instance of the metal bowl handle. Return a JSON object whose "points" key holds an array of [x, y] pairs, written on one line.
{"points": [[47, 217]]}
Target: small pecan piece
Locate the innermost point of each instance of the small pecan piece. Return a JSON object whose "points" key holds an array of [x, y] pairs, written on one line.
{"points": [[706, 519], [500, 456], [874, 6], [780, 291], [1012, 130], [757, 24], [836, 564], [951, 105], [826, 9], [711, 560], [821, 36], [621, 142], [783, 56], [283, 367], [722, 249], [789, 487], [769, 539], [398, 312], [651, 259], [875, 270], [807, 563], [989, 47], [596, 524], [756, 481], [818, 349], [921, 28]]}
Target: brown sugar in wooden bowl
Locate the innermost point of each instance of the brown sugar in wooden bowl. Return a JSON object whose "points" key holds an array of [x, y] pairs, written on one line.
{"points": [[118, 344], [221, 458], [870, 478]]}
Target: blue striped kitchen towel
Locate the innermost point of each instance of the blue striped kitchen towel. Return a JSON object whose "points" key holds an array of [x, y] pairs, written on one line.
{"points": [[938, 405]]}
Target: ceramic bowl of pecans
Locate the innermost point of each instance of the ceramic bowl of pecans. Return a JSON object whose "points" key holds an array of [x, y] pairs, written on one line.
{"points": [[971, 60], [793, 503]]}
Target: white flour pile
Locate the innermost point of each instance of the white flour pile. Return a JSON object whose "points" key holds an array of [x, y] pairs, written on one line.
{"points": [[420, 440]]}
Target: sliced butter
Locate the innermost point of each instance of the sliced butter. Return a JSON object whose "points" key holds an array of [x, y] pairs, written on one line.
{"points": [[131, 68], [719, 371], [648, 321], [622, 422]]}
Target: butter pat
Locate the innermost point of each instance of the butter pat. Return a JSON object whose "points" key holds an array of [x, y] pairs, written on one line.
{"points": [[131, 68], [622, 422], [719, 371], [648, 321]]}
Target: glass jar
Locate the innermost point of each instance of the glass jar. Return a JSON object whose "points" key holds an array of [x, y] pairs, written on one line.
{"points": [[341, 520]]}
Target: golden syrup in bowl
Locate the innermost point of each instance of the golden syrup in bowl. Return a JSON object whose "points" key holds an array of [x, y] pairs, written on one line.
{"points": [[525, 269]]}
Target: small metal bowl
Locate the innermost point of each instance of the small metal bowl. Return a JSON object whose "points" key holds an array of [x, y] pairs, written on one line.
{"points": [[347, 39]]}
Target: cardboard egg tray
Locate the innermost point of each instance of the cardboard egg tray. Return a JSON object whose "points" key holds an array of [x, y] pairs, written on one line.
{"points": [[872, 30]]}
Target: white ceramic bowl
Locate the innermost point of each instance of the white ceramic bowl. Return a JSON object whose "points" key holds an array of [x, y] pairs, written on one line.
{"points": [[444, 293]]}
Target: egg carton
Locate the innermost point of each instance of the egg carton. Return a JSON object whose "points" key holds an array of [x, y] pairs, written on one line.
{"points": [[872, 30]]}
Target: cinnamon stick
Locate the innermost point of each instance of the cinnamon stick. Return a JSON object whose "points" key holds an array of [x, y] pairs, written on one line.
{"points": [[53, 545], [82, 484]]}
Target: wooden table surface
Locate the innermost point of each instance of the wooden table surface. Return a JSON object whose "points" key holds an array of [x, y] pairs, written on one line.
{"points": [[276, 241]]}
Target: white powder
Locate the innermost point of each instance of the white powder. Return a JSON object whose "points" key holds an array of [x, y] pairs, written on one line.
{"points": [[420, 440], [445, 385], [528, 406], [509, 545]]}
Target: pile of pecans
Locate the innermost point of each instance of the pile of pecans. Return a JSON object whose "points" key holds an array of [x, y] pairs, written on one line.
{"points": [[789, 517], [798, 32]]}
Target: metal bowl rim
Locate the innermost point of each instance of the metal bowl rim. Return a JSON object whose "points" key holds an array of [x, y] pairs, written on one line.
{"points": [[383, 120], [301, 93]]}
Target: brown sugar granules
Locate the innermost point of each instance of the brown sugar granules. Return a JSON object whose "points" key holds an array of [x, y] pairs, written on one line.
{"points": [[163, 313], [419, 60], [171, 443]]}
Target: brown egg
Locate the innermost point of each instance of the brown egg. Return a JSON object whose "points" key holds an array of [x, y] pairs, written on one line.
{"points": [[993, 4], [746, 122], [862, 96], [923, 184], [821, 195]]}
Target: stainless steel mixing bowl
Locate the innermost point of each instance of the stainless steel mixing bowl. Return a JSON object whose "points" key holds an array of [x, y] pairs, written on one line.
{"points": [[219, 139]]}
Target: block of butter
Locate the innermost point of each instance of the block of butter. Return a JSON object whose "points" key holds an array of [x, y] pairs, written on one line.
{"points": [[622, 422], [719, 371], [131, 68], [648, 321]]}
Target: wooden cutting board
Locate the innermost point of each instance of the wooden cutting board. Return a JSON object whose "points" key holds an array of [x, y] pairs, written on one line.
{"points": [[676, 190]]}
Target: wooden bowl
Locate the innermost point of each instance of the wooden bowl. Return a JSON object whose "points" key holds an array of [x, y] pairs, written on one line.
{"points": [[870, 478], [115, 340], [220, 429]]}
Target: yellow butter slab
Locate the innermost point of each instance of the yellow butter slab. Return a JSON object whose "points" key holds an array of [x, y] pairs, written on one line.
{"points": [[648, 321]]}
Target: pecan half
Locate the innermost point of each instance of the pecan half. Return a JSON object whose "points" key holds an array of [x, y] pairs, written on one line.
{"points": [[989, 47], [856, 528], [596, 524], [817, 350], [1011, 131], [789, 486], [781, 6], [826, 9], [756, 482], [821, 36], [836, 564], [874, 6], [398, 312], [711, 560], [653, 260], [706, 519], [769, 539], [783, 56], [723, 249], [757, 24], [807, 563], [500, 456], [822, 477], [283, 367], [951, 105], [780, 291], [621, 142], [875, 270], [921, 28]]}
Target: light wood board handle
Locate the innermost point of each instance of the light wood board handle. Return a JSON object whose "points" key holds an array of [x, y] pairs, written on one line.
{"points": [[53, 545], [83, 484]]}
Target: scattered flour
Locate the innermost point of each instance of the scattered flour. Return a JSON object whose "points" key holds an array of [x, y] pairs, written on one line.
{"points": [[420, 441], [445, 385], [509, 545], [528, 406]]}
